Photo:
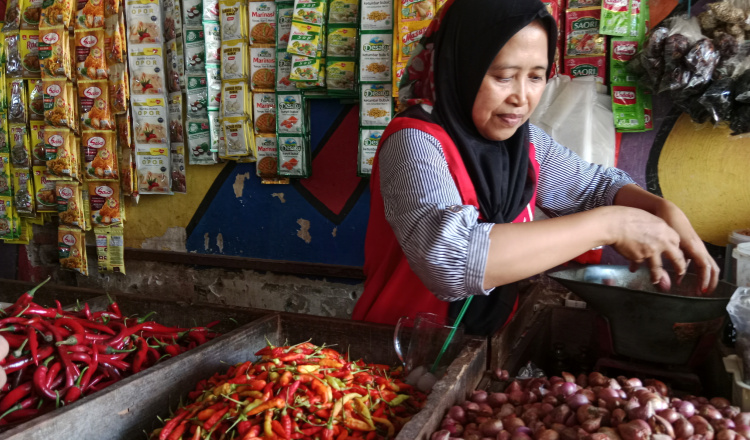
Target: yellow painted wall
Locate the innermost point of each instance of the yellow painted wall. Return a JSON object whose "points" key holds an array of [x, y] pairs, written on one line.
{"points": [[706, 172]]}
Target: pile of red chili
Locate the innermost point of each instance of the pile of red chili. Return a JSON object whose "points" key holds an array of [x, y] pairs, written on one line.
{"points": [[296, 392], [58, 356]]}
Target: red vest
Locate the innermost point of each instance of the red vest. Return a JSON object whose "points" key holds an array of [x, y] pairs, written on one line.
{"points": [[392, 289]]}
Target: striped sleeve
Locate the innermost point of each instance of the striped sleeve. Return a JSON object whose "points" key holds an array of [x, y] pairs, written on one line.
{"points": [[568, 184], [442, 239]]}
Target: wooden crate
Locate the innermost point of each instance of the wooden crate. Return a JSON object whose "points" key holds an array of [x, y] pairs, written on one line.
{"points": [[129, 408]]}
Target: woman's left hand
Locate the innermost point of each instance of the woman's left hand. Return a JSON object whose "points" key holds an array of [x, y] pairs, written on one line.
{"points": [[691, 245]]}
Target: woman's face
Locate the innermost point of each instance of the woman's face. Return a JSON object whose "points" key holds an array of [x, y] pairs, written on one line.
{"points": [[513, 85]]}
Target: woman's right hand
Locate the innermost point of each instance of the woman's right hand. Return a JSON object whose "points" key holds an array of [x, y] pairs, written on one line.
{"points": [[642, 237], [4, 349]]}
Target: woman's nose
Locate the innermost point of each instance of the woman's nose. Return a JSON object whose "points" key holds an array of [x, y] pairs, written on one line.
{"points": [[518, 96]]}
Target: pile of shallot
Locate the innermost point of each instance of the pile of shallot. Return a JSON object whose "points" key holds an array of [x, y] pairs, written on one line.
{"points": [[591, 407]]}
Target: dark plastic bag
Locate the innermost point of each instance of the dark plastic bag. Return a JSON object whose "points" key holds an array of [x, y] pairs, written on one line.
{"points": [[718, 100]]}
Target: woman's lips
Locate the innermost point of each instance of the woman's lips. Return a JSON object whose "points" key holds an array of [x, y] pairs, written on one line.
{"points": [[510, 119]]}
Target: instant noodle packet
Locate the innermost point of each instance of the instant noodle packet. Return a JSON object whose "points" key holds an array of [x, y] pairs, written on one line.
{"points": [[58, 105], [149, 120], [91, 15], [110, 250], [234, 60], [38, 155], [99, 155], [582, 33], [284, 13], [262, 22], [377, 15], [615, 18], [294, 156], [267, 164], [105, 203], [236, 98], [54, 52], [6, 179], [23, 189], [69, 203], [264, 113], [93, 97], [72, 250], [398, 73], [46, 195], [263, 68]]}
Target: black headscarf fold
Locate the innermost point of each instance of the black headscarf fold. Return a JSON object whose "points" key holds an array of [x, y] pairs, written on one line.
{"points": [[469, 37]]}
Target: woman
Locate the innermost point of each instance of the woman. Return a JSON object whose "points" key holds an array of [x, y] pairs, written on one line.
{"points": [[458, 173]]}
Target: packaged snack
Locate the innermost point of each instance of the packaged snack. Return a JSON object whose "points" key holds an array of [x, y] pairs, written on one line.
{"points": [[582, 33], [56, 12], [104, 203], [235, 98], [267, 156], [36, 100], [17, 102], [91, 16], [216, 133], [5, 176], [377, 15], [410, 34], [623, 50], [340, 76], [237, 136], [23, 187], [12, 16], [58, 108], [152, 166], [587, 66], [211, 11], [199, 143], [343, 11], [93, 97], [369, 138], [147, 67], [13, 66], [90, 61], [20, 148], [283, 72], [197, 97], [375, 57], [113, 40], [176, 130], [119, 92], [172, 69], [45, 194], [290, 114], [213, 75], [310, 12], [144, 22], [293, 160], [62, 160], [99, 155], [212, 32], [149, 120], [303, 39], [342, 41], [264, 112], [615, 18], [233, 21], [179, 180], [110, 250], [54, 52], [284, 12], [234, 60], [416, 10], [192, 13], [263, 68], [376, 104], [38, 155], [28, 50], [69, 203], [72, 250], [262, 22], [304, 68], [195, 51]]}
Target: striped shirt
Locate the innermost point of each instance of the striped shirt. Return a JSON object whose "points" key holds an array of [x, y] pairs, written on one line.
{"points": [[444, 242]]}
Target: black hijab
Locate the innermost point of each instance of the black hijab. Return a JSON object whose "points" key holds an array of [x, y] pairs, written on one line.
{"points": [[469, 37]]}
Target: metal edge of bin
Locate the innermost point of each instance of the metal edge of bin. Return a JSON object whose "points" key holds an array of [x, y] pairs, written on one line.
{"points": [[125, 409]]}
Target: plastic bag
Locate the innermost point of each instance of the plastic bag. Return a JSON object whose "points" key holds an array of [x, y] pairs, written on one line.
{"points": [[739, 312], [718, 100], [529, 371]]}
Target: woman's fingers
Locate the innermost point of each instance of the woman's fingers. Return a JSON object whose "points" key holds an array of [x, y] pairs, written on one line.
{"points": [[4, 348]]}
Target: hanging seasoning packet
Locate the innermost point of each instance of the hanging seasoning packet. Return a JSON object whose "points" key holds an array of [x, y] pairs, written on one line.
{"points": [[343, 12], [17, 102], [290, 113], [58, 108], [179, 180], [54, 52], [237, 137], [69, 203], [72, 250], [264, 112], [93, 97], [90, 61], [23, 186], [195, 51], [375, 57], [20, 149], [28, 50], [267, 156], [262, 68], [36, 100], [113, 40], [262, 22], [46, 196], [176, 134], [5, 176], [172, 68], [149, 120], [369, 138], [304, 69], [99, 155], [61, 159], [293, 160], [7, 213], [199, 143], [119, 92], [12, 16], [197, 97], [57, 12], [38, 155], [212, 33], [192, 12], [233, 21], [152, 167], [13, 66], [213, 76], [303, 39], [144, 22], [284, 13], [235, 98], [211, 12], [105, 203], [340, 76], [234, 62], [342, 41], [615, 18], [582, 33], [91, 15], [110, 250], [376, 105], [284, 71]]}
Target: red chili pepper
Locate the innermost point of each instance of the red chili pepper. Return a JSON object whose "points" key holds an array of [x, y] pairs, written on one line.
{"points": [[114, 308], [96, 326], [40, 311], [214, 419], [39, 380], [291, 357], [140, 356], [74, 392], [286, 423], [290, 392], [177, 433], [172, 350], [71, 371], [80, 357], [33, 344], [172, 424], [15, 395], [20, 363], [25, 299]]}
